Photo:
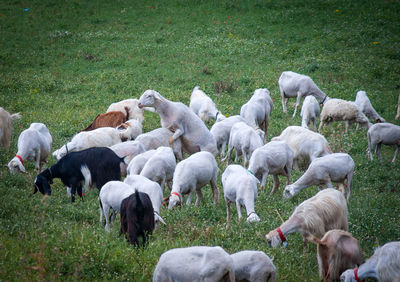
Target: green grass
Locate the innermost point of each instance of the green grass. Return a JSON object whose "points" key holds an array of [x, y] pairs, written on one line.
{"points": [[64, 62]]}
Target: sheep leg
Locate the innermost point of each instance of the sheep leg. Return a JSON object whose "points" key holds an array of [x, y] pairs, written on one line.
{"points": [[395, 153], [346, 123], [276, 184], [223, 145], [304, 245], [106, 210], [378, 151], [284, 102], [199, 197], [73, 192], [176, 135], [321, 125], [228, 155], [263, 180], [228, 210], [215, 190], [299, 95], [37, 160], [245, 160], [239, 211], [236, 155], [189, 198], [169, 184]]}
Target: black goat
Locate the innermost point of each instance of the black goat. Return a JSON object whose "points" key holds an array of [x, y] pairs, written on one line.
{"points": [[137, 217], [96, 165]]}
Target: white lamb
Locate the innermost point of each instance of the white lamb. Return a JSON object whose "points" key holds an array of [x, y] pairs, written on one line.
{"points": [[203, 106], [240, 186], [6, 121], [130, 129], [253, 266], [191, 175], [199, 263], [309, 112], [342, 110], [292, 84], [325, 211], [34, 144], [136, 165], [258, 110], [383, 133], [276, 158], [244, 139], [364, 104], [383, 265], [336, 167], [134, 111], [305, 143]]}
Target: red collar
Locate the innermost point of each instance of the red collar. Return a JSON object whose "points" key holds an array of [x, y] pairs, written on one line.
{"points": [[283, 238], [176, 194], [20, 158], [355, 275]]}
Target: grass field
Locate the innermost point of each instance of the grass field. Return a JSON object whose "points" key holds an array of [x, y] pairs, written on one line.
{"points": [[64, 62]]}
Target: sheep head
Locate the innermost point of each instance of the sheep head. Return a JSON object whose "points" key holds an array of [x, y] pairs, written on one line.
{"points": [[289, 192], [348, 276], [273, 239], [15, 165], [174, 199], [148, 99]]}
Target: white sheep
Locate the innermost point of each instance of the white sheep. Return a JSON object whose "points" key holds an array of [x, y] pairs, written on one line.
{"points": [[240, 186], [34, 144], [383, 133], [325, 211], [127, 150], [292, 84], [136, 165], [309, 112], [159, 137], [253, 266], [191, 175], [305, 143], [203, 106], [383, 265], [398, 109], [130, 129], [336, 167], [244, 139], [6, 120], [199, 263], [342, 110], [222, 130], [276, 158], [179, 119], [134, 112], [160, 167], [258, 109], [364, 104]]}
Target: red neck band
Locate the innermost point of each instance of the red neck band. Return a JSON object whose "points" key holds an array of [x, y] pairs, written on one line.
{"points": [[283, 239], [176, 194], [355, 275], [20, 158]]}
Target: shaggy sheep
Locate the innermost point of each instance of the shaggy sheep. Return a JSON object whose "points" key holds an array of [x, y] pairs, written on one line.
{"points": [[364, 104], [253, 266], [203, 106], [309, 112], [383, 133], [6, 120]]}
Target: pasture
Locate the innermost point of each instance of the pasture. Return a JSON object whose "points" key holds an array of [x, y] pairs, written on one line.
{"points": [[64, 62]]}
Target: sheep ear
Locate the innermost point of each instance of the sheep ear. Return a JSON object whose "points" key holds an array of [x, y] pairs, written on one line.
{"points": [[21, 168]]}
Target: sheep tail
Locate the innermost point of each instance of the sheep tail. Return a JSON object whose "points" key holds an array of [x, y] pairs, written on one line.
{"points": [[127, 112], [310, 237], [86, 175]]}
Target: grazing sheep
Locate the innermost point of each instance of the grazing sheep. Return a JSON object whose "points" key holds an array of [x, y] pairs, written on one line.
{"points": [[336, 252], [383, 133], [129, 107], [110, 119], [194, 264], [34, 144], [364, 104], [384, 265], [159, 137], [179, 119], [136, 165], [240, 186], [131, 129], [305, 143], [6, 120], [336, 167], [160, 167], [253, 266], [325, 211], [258, 110], [222, 130], [342, 110], [309, 112], [398, 109], [276, 158], [203, 106], [137, 217], [292, 84], [191, 175], [244, 139]]}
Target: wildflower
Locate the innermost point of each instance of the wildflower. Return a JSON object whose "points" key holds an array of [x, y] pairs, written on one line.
{"points": [[375, 42], [337, 10], [230, 34]]}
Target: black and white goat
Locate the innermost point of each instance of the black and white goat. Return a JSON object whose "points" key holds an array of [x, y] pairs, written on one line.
{"points": [[95, 166]]}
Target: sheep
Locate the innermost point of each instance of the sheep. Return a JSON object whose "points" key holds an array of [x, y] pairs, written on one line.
{"points": [[383, 133], [222, 130], [253, 266], [199, 263], [398, 109], [34, 144], [96, 166], [309, 112], [191, 175], [342, 110], [336, 252], [137, 219], [292, 84], [130, 108], [240, 186], [127, 150], [364, 104], [110, 119], [159, 137], [276, 157], [244, 139], [203, 106], [160, 167], [6, 120], [305, 143], [258, 110], [383, 265], [179, 119], [136, 165], [130, 129], [324, 211], [336, 167]]}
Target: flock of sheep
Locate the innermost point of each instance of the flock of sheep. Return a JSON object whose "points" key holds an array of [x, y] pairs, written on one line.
{"points": [[114, 146]]}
